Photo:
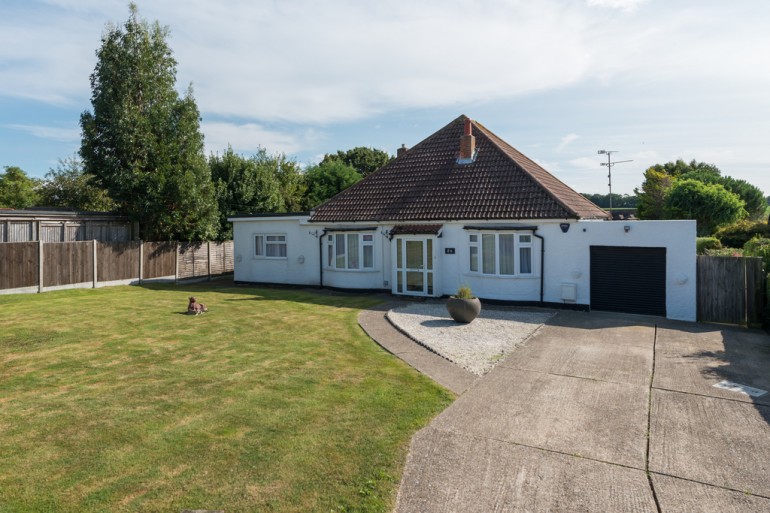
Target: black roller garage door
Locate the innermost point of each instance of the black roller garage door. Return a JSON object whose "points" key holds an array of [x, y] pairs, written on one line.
{"points": [[631, 280]]}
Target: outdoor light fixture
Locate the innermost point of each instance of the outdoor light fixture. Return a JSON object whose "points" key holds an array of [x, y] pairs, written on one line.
{"points": [[564, 227], [626, 228]]}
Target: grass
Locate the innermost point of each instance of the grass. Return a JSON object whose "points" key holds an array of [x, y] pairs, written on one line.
{"points": [[113, 400]]}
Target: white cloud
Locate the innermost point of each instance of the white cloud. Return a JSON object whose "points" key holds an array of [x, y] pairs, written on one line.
{"points": [[625, 5], [565, 141], [250, 137], [49, 132]]}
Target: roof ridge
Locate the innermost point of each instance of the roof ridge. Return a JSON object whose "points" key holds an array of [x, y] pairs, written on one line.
{"points": [[502, 145]]}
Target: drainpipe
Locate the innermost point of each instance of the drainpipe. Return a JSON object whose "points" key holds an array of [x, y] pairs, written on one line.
{"points": [[542, 262], [321, 258]]}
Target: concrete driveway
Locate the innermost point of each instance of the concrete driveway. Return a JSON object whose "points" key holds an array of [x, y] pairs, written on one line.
{"points": [[604, 412]]}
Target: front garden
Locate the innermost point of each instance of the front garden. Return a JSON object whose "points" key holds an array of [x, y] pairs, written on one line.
{"points": [[114, 400]]}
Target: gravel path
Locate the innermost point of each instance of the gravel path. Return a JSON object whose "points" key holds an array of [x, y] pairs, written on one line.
{"points": [[477, 346]]}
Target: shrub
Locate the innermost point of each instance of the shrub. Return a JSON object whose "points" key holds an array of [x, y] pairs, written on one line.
{"points": [[464, 292], [758, 247], [702, 244], [737, 234], [726, 252]]}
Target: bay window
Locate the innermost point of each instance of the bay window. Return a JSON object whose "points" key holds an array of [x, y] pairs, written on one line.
{"points": [[500, 254], [351, 251]]}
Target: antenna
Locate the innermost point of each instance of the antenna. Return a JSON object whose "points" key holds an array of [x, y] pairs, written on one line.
{"points": [[609, 165]]}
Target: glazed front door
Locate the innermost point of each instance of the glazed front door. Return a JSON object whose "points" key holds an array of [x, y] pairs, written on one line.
{"points": [[414, 266]]}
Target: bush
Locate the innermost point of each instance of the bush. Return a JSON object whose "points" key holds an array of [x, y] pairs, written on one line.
{"points": [[702, 244], [464, 292], [758, 247], [725, 252], [738, 234]]}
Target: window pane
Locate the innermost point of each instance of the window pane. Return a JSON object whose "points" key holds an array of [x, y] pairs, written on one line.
{"points": [[525, 260], [488, 253], [339, 245], [368, 238], [474, 238], [429, 256], [330, 254], [353, 251], [368, 256], [506, 254], [399, 258], [525, 238], [399, 281], [430, 284], [474, 259], [414, 255], [273, 249], [258, 245]]}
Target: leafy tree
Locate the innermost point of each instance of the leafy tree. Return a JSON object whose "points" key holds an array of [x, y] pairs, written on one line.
{"points": [[750, 194], [618, 200], [244, 185], [362, 159], [69, 186], [324, 180], [711, 205], [143, 142], [17, 190], [652, 195], [292, 183]]}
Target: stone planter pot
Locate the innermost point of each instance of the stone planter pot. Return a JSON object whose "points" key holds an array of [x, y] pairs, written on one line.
{"points": [[463, 310]]}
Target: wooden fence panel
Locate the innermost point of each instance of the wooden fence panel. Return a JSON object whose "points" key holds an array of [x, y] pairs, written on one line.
{"points": [[730, 290], [159, 259], [18, 265], [117, 260], [65, 263]]}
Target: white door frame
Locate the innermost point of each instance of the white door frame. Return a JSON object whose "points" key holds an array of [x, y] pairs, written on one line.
{"points": [[428, 268]]}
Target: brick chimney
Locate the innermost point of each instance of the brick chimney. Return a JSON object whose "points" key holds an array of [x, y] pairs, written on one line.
{"points": [[400, 151], [467, 142]]}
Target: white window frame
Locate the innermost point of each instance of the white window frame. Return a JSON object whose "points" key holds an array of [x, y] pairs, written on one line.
{"points": [[336, 254], [261, 244], [475, 262]]}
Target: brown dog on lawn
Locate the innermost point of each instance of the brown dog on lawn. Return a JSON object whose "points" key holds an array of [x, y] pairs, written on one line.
{"points": [[195, 308]]}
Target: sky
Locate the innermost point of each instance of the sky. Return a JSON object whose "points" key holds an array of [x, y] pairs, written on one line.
{"points": [[654, 80]]}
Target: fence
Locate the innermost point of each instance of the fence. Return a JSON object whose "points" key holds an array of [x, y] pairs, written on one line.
{"points": [[730, 290], [40, 266]]}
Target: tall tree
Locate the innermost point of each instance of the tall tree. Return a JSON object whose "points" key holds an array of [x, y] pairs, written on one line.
{"points": [[652, 195], [243, 184], [711, 205], [143, 141], [324, 180], [67, 185], [362, 159], [17, 190]]}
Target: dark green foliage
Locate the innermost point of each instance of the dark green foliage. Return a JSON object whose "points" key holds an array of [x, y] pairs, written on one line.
{"points": [[324, 180], [652, 195], [711, 205], [618, 200], [756, 205], [703, 244], [362, 159], [245, 185], [69, 187], [737, 234], [17, 190], [142, 141]]}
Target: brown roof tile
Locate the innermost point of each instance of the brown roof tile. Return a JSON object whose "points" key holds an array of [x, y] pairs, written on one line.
{"points": [[427, 184]]}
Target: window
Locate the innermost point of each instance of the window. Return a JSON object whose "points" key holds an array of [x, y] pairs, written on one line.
{"points": [[270, 245], [350, 251], [501, 254]]}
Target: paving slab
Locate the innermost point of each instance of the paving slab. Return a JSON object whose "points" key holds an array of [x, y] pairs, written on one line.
{"points": [[693, 358], [622, 354], [449, 472], [601, 420], [439, 369], [715, 441], [682, 496]]}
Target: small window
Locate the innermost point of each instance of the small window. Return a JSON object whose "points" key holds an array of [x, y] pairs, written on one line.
{"points": [[350, 251], [500, 254], [270, 245]]}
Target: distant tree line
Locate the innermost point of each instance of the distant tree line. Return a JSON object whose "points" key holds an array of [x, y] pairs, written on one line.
{"points": [[618, 200]]}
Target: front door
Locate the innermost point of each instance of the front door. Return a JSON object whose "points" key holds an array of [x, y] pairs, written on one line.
{"points": [[414, 266]]}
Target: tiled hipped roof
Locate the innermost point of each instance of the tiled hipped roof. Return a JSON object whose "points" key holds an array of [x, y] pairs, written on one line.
{"points": [[427, 184]]}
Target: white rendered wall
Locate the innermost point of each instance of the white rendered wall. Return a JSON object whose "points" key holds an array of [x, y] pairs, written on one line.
{"points": [[568, 259], [300, 267]]}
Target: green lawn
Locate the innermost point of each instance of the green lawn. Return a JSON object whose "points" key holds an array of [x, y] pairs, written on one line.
{"points": [[113, 400]]}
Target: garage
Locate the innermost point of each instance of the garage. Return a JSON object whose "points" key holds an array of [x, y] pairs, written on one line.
{"points": [[628, 279]]}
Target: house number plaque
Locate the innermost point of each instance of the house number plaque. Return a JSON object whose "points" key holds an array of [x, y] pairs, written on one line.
{"points": [[449, 251]]}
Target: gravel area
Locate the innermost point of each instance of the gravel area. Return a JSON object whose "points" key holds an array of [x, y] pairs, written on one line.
{"points": [[477, 346]]}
